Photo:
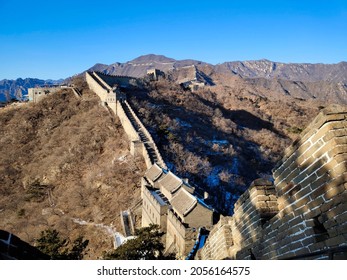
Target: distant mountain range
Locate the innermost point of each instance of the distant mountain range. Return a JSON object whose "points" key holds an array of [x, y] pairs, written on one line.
{"points": [[246, 69], [19, 87], [301, 80], [327, 82]]}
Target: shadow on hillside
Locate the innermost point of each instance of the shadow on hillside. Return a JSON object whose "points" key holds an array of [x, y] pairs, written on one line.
{"points": [[194, 139], [242, 118]]}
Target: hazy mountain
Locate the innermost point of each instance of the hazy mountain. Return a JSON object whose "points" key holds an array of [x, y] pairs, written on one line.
{"points": [[246, 69], [326, 82], [138, 67], [19, 87], [287, 71]]}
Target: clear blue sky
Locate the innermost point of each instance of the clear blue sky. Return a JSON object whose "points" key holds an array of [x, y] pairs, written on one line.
{"points": [[57, 39]]}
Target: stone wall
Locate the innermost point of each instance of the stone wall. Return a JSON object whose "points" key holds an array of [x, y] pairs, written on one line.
{"points": [[116, 101], [152, 211], [126, 123], [123, 81], [219, 242], [13, 248], [306, 211], [96, 85], [143, 129], [178, 234], [37, 94]]}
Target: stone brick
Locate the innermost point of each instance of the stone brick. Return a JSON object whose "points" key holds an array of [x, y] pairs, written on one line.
{"points": [[338, 170], [317, 246], [302, 201], [303, 209], [296, 245], [310, 152], [320, 181], [288, 170], [338, 150], [340, 140], [278, 171], [315, 203], [294, 174], [321, 133], [341, 218], [330, 223], [341, 198], [262, 198], [326, 206], [308, 241], [303, 192], [332, 232], [297, 237], [308, 181], [312, 213], [295, 221], [341, 229], [318, 192], [298, 179], [334, 191], [337, 240], [334, 133], [302, 251], [340, 158]]}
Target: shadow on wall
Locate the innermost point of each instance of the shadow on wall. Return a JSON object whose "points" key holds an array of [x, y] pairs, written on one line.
{"points": [[310, 193], [13, 248]]}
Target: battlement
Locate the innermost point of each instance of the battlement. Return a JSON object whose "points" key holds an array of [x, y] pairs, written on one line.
{"points": [[118, 81], [305, 212]]}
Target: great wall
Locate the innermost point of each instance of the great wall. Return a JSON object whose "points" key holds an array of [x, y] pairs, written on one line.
{"points": [[301, 215], [304, 214]]}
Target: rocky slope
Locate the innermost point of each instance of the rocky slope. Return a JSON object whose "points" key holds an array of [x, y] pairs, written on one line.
{"points": [[286, 71], [64, 164], [221, 137], [326, 82]]}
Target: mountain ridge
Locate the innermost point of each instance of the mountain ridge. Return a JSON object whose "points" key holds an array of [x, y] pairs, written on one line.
{"points": [[303, 80]]}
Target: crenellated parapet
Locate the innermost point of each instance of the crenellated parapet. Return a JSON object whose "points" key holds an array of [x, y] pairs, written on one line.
{"points": [[304, 215], [107, 87]]}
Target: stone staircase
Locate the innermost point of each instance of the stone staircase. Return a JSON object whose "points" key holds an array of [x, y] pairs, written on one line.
{"points": [[144, 135]]}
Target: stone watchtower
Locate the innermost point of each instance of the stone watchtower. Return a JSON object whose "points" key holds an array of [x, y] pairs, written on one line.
{"points": [[106, 87]]}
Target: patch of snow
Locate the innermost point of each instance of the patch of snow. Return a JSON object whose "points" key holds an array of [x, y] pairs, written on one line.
{"points": [[183, 123], [171, 166], [110, 230], [213, 179], [122, 158], [220, 142], [119, 239], [234, 166]]}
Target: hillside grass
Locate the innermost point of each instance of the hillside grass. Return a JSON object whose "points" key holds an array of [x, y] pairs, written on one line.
{"points": [[61, 159]]}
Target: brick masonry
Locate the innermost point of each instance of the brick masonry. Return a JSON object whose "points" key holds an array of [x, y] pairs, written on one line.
{"points": [[304, 212], [13, 248]]}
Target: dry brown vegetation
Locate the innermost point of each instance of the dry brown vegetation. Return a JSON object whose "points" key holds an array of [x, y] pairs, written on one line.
{"points": [[61, 159], [222, 137]]}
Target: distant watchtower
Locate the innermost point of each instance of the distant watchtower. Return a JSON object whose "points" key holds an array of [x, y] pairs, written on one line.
{"points": [[153, 74]]}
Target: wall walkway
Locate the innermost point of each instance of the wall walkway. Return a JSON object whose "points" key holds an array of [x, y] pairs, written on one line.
{"points": [[141, 140]]}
